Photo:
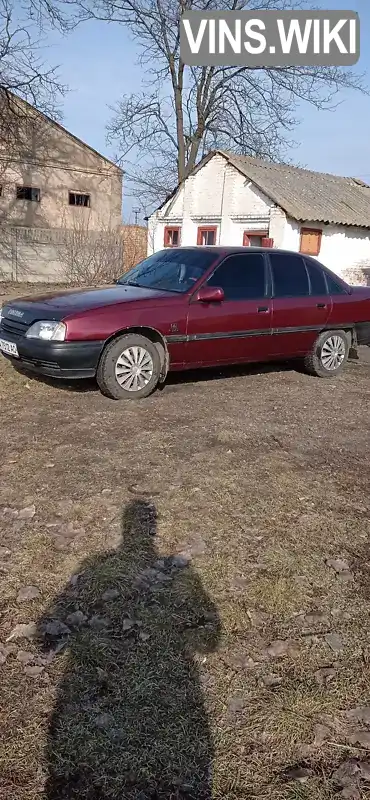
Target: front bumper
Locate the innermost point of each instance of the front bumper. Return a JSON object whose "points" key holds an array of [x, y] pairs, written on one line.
{"points": [[55, 359]]}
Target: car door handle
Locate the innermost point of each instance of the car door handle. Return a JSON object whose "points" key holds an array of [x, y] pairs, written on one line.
{"points": [[320, 305], [263, 309]]}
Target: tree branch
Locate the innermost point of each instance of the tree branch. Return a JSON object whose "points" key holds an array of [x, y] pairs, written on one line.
{"points": [[162, 132]]}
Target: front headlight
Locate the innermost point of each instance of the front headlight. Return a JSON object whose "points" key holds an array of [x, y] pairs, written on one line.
{"points": [[47, 329]]}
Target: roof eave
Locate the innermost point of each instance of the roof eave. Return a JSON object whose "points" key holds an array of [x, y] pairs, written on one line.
{"points": [[68, 133], [366, 226], [267, 192]]}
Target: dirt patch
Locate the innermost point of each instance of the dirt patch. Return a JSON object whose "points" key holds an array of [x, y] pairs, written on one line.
{"points": [[184, 590]]}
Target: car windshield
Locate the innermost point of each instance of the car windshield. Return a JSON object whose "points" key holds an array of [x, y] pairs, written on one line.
{"points": [[169, 270]]}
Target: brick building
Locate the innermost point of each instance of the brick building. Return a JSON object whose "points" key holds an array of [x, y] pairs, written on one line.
{"points": [[53, 187], [235, 200]]}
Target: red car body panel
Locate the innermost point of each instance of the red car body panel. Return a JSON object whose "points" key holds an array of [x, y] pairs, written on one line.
{"points": [[195, 333], [231, 323], [308, 313], [163, 313]]}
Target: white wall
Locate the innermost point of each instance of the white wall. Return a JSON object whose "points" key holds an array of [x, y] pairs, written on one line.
{"points": [[218, 194], [342, 247]]}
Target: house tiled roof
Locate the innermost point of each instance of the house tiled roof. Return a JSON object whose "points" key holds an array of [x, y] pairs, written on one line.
{"points": [[305, 195]]}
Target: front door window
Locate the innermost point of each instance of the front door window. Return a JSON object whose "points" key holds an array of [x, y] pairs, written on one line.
{"points": [[242, 277]]}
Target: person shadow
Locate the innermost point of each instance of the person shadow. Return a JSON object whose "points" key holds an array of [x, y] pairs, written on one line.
{"points": [[129, 720]]}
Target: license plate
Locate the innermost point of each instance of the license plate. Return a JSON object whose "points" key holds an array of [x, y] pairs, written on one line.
{"points": [[9, 347]]}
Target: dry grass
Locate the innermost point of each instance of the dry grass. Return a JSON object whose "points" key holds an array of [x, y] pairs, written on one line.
{"points": [[263, 474]]}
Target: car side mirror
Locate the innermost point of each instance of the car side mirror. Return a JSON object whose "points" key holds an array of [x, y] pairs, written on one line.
{"points": [[210, 294]]}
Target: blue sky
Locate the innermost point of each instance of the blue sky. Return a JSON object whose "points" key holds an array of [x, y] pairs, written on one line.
{"points": [[97, 61]]}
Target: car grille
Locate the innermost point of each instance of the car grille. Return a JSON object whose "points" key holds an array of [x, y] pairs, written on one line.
{"points": [[13, 326]]}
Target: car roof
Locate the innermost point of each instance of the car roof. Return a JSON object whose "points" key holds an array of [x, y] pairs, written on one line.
{"points": [[219, 249]]}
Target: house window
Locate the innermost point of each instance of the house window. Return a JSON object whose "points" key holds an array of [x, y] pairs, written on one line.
{"points": [[254, 238], [207, 235], [172, 236], [77, 199], [28, 193], [310, 241]]}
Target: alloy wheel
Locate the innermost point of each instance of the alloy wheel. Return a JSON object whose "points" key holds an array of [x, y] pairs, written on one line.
{"points": [[134, 369], [333, 353]]}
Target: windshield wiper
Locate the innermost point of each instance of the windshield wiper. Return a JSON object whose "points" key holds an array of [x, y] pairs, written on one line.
{"points": [[153, 288]]}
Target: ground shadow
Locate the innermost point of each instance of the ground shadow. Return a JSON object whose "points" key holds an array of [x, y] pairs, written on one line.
{"points": [[232, 371], [173, 378], [78, 386], [200, 375], [129, 720]]}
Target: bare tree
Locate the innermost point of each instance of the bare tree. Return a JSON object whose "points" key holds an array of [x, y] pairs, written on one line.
{"points": [[23, 71], [89, 257], [23, 77], [182, 112]]}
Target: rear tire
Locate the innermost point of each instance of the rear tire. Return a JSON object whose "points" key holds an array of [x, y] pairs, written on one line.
{"points": [[329, 354], [129, 368]]}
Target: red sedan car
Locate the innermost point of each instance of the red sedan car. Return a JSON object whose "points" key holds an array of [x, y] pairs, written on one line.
{"points": [[190, 307]]}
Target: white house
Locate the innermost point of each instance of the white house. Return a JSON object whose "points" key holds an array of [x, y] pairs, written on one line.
{"points": [[239, 200]]}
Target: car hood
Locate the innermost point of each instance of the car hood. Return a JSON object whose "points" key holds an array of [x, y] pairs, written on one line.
{"points": [[57, 305]]}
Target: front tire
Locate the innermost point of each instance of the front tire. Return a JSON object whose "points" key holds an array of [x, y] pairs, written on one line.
{"points": [[129, 368], [329, 354]]}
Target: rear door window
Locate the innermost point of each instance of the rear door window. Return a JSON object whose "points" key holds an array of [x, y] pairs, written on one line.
{"points": [[333, 286], [289, 275], [317, 278]]}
